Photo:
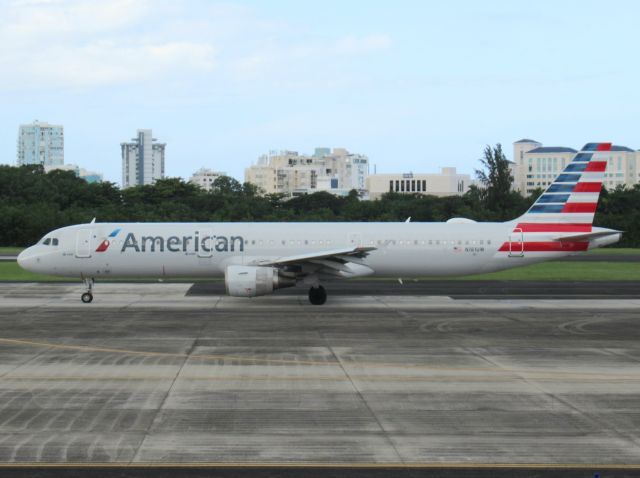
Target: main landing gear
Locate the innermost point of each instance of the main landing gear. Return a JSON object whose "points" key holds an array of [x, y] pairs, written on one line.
{"points": [[317, 295], [87, 296]]}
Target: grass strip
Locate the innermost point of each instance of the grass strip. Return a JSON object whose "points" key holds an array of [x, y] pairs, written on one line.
{"points": [[551, 271], [622, 251], [11, 250]]}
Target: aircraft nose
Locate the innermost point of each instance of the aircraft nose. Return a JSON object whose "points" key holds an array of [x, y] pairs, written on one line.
{"points": [[25, 259]]}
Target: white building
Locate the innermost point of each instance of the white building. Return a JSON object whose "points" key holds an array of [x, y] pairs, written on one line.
{"points": [[537, 165], [40, 143], [205, 178], [142, 160], [88, 176], [447, 183], [293, 174]]}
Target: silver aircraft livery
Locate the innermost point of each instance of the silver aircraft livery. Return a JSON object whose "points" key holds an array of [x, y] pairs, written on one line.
{"points": [[258, 258]]}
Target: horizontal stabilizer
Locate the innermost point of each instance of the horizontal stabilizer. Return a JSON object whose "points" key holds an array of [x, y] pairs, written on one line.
{"points": [[587, 236]]}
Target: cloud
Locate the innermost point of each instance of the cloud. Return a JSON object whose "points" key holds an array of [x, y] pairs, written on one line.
{"points": [[84, 44], [303, 62], [354, 45], [90, 43], [36, 21], [105, 62]]}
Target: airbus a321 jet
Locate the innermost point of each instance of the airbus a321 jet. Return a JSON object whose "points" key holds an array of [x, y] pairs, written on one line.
{"points": [[257, 258]]}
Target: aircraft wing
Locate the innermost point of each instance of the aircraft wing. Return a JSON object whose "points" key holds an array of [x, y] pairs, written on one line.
{"points": [[332, 254], [344, 262]]}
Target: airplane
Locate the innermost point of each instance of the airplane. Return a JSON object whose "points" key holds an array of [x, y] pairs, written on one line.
{"points": [[257, 258]]}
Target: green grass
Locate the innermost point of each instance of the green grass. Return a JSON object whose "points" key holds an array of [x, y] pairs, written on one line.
{"points": [[566, 271], [11, 271], [616, 251], [552, 271], [10, 250]]}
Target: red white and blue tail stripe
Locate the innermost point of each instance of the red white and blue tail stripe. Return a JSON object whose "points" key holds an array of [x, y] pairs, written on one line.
{"points": [[569, 203], [561, 220]]}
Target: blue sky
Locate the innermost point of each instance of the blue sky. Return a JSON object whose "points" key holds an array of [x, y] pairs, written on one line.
{"points": [[414, 85]]}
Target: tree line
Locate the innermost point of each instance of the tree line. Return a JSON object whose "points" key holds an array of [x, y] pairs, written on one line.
{"points": [[33, 203]]}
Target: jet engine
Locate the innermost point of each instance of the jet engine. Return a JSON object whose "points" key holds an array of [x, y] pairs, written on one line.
{"points": [[251, 281]]}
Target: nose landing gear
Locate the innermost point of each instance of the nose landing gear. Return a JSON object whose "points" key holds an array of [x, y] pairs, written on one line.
{"points": [[87, 296], [317, 295]]}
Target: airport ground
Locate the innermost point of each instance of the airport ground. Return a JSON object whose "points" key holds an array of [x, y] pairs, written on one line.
{"points": [[499, 382]]}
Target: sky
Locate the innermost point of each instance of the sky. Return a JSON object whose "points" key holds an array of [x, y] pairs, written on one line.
{"points": [[414, 85]]}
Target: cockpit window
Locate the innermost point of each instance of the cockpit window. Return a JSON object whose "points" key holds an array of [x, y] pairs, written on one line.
{"points": [[47, 241], [54, 241]]}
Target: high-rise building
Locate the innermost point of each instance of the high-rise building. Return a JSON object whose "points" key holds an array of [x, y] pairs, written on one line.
{"points": [[536, 166], [205, 178], [142, 160], [40, 143], [293, 174]]}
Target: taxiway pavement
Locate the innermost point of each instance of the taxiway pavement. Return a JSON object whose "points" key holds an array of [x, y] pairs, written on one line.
{"points": [[149, 374]]}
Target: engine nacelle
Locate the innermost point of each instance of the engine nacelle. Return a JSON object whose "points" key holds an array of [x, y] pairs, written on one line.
{"points": [[251, 281]]}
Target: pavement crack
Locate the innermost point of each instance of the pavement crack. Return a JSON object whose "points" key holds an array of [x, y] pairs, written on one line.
{"points": [[599, 423], [159, 409], [26, 362], [364, 400]]}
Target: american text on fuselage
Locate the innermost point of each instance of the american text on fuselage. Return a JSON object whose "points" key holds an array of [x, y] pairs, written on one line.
{"points": [[183, 243]]}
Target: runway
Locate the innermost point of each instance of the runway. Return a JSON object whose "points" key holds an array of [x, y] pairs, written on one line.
{"points": [[401, 384], [459, 289]]}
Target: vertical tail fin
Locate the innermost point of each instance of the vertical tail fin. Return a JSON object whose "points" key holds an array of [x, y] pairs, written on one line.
{"points": [[569, 203]]}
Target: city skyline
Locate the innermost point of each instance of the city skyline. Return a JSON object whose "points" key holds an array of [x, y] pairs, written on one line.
{"points": [[417, 86]]}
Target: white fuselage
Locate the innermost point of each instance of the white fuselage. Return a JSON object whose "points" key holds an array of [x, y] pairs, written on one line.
{"points": [[207, 249]]}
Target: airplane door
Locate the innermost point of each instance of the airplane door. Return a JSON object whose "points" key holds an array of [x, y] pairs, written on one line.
{"points": [[83, 243], [205, 248], [516, 243]]}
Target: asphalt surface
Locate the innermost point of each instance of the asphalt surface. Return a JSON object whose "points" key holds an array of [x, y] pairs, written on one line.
{"points": [[333, 472], [389, 385], [458, 289]]}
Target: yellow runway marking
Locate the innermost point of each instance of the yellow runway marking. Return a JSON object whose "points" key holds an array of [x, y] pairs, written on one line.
{"points": [[255, 360]]}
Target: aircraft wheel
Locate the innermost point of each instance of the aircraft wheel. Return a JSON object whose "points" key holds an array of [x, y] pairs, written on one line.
{"points": [[317, 295], [86, 297]]}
